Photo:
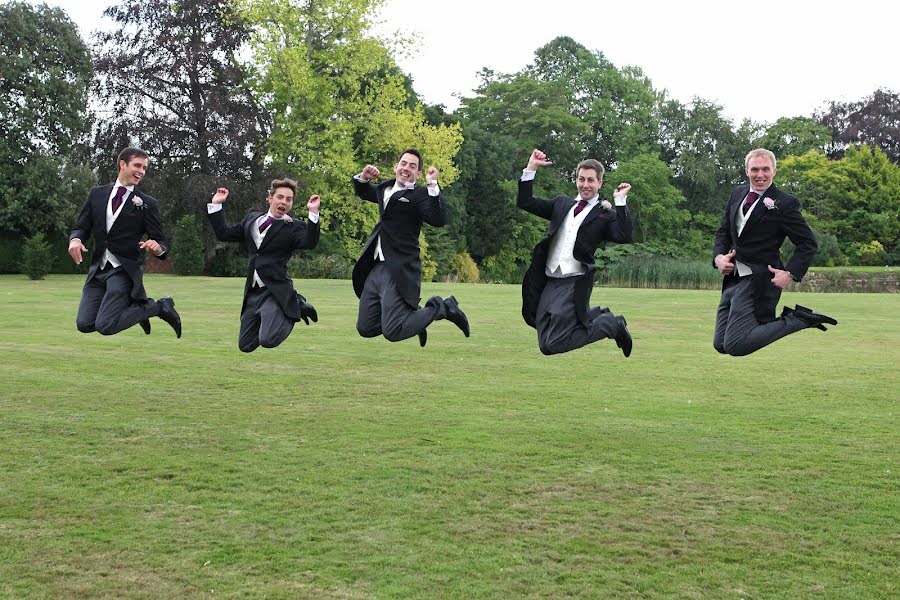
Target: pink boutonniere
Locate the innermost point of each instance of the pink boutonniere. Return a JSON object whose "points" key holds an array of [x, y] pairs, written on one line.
{"points": [[138, 202], [770, 204], [605, 205]]}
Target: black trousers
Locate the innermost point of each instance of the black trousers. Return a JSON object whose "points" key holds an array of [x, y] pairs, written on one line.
{"points": [[557, 324], [738, 332], [382, 311], [107, 306]]}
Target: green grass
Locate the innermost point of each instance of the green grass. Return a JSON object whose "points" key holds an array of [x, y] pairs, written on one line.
{"points": [[878, 269], [339, 467]]}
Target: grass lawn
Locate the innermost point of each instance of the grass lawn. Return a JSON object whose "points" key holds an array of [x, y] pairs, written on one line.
{"points": [[138, 466]]}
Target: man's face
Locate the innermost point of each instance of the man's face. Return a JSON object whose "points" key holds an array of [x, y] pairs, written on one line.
{"points": [[761, 172], [280, 201], [133, 171], [407, 169], [588, 183]]}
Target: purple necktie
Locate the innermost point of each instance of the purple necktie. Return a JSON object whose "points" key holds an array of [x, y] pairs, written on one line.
{"points": [[751, 198], [265, 224], [119, 197], [580, 206]]}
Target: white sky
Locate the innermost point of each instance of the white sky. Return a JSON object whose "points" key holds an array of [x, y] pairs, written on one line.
{"points": [[759, 59]]}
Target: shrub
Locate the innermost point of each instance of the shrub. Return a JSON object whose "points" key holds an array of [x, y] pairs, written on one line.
{"points": [[37, 257], [230, 261], [320, 266], [464, 268], [187, 247], [644, 272], [870, 253]]}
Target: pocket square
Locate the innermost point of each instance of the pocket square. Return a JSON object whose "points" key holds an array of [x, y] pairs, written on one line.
{"points": [[401, 199]]}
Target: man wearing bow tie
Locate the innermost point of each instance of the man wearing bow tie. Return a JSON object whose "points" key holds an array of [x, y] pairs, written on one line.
{"points": [[758, 216], [556, 291], [387, 277], [271, 306], [118, 216]]}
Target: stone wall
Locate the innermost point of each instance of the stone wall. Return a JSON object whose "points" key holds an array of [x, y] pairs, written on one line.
{"points": [[887, 281]]}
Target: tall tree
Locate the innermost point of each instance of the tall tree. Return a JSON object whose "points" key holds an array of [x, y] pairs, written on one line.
{"points": [[170, 78], [338, 101], [873, 120], [45, 72], [794, 136]]}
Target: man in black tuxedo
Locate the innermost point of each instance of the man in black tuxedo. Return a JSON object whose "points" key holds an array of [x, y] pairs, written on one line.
{"points": [[271, 306], [118, 216], [387, 278], [556, 291], [757, 218]]}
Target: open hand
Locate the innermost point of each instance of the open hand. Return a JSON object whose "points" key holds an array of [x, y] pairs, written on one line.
{"points": [[75, 250]]}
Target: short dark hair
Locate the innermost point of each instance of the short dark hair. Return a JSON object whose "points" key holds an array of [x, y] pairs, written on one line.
{"points": [[592, 164], [277, 183], [131, 152], [415, 152]]}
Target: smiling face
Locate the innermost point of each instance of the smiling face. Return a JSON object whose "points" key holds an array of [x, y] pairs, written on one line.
{"points": [[760, 172], [133, 171], [408, 168], [588, 183], [281, 200]]}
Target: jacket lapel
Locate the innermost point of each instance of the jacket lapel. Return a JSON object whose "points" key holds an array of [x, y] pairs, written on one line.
{"points": [[274, 229]]}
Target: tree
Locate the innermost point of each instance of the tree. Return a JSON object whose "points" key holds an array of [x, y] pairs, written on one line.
{"points": [[873, 120], [794, 136], [856, 198], [705, 152], [46, 72], [170, 77], [654, 202], [337, 102]]}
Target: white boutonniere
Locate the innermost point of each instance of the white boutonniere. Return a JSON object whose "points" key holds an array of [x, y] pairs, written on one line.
{"points": [[605, 204], [770, 204], [138, 203]]}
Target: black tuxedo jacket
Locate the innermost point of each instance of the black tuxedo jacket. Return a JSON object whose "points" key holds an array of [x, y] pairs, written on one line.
{"points": [[134, 221], [399, 228], [271, 258], [760, 241], [598, 226]]}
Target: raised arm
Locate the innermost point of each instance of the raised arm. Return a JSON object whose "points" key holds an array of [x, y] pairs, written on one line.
{"points": [[223, 231], [621, 230], [525, 198], [363, 186], [310, 236], [433, 209]]}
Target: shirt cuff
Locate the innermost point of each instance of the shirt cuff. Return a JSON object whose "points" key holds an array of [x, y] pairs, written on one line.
{"points": [[359, 177], [620, 200], [434, 190], [527, 175], [314, 217], [214, 208]]}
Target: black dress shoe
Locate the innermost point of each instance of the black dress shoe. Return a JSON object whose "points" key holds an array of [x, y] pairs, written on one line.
{"points": [[623, 338], [786, 312], [307, 311], [813, 319], [455, 314], [423, 337], [168, 314], [145, 325], [598, 311]]}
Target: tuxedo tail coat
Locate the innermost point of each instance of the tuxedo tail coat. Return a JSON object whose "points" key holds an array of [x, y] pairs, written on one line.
{"points": [[138, 217], [599, 225], [399, 226], [271, 258]]}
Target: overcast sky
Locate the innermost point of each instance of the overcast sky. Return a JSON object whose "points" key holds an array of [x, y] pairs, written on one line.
{"points": [[759, 59]]}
